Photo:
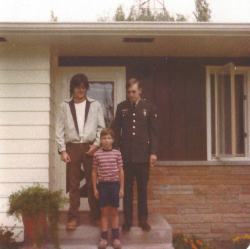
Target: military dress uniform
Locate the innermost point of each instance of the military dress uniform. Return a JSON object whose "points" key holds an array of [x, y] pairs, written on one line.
{"points": [[136, 134]]}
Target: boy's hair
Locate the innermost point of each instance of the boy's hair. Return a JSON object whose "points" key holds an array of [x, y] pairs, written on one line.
{"points": [[77, 80], [131, 82], [107, 131]]}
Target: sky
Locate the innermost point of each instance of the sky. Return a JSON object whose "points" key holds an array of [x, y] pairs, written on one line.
{"points": [[237, 11]]}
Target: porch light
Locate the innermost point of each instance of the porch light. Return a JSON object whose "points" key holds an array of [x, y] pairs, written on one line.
{"points": [[3, 39], [138, 39]]}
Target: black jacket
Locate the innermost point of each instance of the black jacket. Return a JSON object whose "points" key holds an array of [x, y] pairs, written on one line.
{"points": [[136, 131]]}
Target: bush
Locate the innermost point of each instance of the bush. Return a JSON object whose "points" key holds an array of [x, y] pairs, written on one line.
{"points": [[7, 241]]}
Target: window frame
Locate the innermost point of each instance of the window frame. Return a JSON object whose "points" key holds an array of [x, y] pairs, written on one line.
{"points": [[237, 70]]}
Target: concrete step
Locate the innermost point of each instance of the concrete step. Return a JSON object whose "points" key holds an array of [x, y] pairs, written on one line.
{"points": [[87, 236], [124, 246]]}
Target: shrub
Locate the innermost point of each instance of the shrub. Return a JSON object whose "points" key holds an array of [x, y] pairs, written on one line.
{"points": [[7, 241]]}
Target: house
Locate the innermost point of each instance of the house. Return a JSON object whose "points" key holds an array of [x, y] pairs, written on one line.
{"points": [[198, 76]]}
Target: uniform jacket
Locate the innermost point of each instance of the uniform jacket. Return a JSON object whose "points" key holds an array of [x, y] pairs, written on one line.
{"points": [[136, 131], [67, 127]]}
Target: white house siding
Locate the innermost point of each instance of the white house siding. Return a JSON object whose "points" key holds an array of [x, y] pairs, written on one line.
{"points": [[54, 157], [26, 120]]}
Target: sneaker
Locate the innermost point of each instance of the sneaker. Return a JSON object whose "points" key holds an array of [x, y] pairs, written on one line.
{"points": [[117, 244], [72, 224], [103, 244]]}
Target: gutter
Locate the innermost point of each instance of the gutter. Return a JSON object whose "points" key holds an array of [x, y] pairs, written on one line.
{"points": [[126, 28]]}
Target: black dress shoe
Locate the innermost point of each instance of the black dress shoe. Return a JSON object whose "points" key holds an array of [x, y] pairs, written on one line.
{"points": [[145, 226], [126, 227], [95, 222]]}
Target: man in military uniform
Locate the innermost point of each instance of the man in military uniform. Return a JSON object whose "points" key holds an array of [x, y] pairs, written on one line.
{"points": [[136, 134]]}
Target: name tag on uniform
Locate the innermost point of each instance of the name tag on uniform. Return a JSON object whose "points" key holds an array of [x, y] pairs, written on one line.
{"points": [[144, 112]]}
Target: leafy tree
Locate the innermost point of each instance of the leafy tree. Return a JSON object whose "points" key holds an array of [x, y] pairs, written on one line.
{"points": [[202, 13], [164, 16], [180, 18], [146, 15], [132, 14], [119, 14], [53, 18], [160, 17]]}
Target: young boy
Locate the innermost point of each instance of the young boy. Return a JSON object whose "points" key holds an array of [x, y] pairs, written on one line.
{"points": [[108, 165]]}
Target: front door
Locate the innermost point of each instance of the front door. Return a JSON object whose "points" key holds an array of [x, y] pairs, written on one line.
{"points": [[107, 85]]}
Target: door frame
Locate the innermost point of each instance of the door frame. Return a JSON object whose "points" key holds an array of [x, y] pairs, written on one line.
{"points": [[62, 78]]}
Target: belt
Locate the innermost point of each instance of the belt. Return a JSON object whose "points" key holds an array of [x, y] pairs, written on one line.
{"points": [[80, 143]]}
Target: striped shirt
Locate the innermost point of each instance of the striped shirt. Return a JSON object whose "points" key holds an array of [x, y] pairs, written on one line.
{"points": [[107, 162]]}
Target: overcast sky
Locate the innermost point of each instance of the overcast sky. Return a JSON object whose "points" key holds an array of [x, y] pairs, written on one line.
{"points": [[90, 10]]}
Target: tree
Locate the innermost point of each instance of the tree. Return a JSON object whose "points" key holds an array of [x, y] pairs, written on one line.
{"points": [[202, 13], [132, 14], [146, 15], [180, 18], [143, 14], [53, 18], [160, 17], [164, 16], [119, 14]]}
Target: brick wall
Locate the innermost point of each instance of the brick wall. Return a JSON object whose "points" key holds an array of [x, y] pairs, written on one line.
{"points": [[211, 202]]}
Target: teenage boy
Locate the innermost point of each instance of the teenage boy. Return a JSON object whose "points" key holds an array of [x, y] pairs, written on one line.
{"points": [[108, 167], [79, 123], [136, 134]]}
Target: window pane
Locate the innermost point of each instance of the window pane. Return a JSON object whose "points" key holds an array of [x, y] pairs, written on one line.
{"points": [[103, 92], [239, 114], [224, 114]]}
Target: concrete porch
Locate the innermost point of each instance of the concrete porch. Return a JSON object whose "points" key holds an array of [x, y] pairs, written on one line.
{"points": [[87, 236]]}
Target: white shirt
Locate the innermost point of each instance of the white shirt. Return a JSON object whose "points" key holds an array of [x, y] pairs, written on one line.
{"points": [[80, 116]]}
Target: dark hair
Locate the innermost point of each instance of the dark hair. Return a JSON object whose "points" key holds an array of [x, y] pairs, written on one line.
{"points": [[131, 82], [107, 131], [77, 80]]}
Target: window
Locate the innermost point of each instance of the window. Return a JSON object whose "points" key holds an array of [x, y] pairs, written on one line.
{"points": [[227, 119], [104, 93]]}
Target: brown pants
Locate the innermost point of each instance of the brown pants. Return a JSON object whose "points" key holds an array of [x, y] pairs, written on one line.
{"points": [[78, 156]]}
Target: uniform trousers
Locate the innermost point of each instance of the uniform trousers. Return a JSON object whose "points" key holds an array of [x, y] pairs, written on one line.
{"points": [[78, 156], [141, 172]]}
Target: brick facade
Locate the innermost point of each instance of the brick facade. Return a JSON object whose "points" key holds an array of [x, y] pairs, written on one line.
{"points": [[211, 202]]}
